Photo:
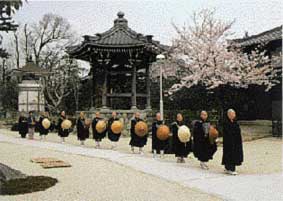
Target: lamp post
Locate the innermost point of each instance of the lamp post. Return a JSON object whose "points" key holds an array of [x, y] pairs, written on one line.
{"points": [[160, 58]]}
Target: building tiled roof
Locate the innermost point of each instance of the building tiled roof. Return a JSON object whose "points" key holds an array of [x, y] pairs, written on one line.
{"points": [[262, 38], [119, 37]]}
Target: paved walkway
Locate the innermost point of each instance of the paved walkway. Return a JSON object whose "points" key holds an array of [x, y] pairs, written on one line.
{"points": [[241, 187]]}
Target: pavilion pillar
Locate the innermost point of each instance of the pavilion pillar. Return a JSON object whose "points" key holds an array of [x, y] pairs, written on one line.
{"points": [[104, 88], [134, 87], [148, 104], [93, 87]]}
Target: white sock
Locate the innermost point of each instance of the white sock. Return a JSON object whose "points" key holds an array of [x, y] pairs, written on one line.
{"points": [[161, 153], [154, 153]]}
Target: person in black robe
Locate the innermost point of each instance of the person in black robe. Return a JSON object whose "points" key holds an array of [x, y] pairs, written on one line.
{"points": [[137, 141], [97, 136], [82, 128], [42, 131], [113, 137], [232, 144], [181, 149], [23, 125], [31, 125], [63, 133], [203, 147], [158, 146]]}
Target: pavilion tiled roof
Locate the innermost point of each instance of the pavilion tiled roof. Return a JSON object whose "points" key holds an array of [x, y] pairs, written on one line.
{"points": [[120, 36], [262, 38]]}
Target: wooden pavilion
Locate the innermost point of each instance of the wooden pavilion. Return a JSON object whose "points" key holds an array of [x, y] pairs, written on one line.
{"points": [[120, 60]]}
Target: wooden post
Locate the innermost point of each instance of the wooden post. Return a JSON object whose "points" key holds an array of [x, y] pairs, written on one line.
{"points": [[93, 86], [134, 87], [148, 104], [104, 93]]}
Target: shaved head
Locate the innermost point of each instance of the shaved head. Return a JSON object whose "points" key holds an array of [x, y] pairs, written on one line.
{"points": [[137, 115], [114, 114], [204, 115], [97, 114], [158, 116], [231, 114], [180, 117]]}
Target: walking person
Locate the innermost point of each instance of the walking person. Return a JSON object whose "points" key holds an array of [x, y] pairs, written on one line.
{"points": [[23, 125], [63, 133], [181, 149], [43, 132], [113, 137], [82, 128], [137, 141], [97, 136], [232, 144], [203, 148], [158, 146], [31, 125]]}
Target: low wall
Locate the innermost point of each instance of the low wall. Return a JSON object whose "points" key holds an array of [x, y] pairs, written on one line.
{"points": [[256, 129]]}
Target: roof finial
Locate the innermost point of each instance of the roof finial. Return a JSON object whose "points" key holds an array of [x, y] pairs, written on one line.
{"points": [[121, 21], [120, 14]]}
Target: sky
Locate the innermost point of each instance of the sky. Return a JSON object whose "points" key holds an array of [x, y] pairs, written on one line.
{"points": [[155, 17]]}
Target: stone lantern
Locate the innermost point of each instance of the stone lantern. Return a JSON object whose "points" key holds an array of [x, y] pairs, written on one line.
{"points": [[31, 97]]}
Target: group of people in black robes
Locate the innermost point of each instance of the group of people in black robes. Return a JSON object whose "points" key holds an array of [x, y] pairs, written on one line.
{"points": [[135, 141], [83, 130], [27, 125], [200, 144]]}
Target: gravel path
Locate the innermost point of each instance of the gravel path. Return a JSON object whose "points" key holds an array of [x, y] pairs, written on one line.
{"points": [[260, 157], [92, 179], [243, 187]]}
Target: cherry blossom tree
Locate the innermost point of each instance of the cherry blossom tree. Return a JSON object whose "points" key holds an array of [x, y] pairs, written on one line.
{"points": [[204, 56]]}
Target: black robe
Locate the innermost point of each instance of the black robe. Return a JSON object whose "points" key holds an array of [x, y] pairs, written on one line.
{"points": [[232, 144], [42, 130], [23, 126], [97, 136], [156, 143], [82, 130], [180, 149], [62, 132], [137, 141], [202, 147], [112, 136]]}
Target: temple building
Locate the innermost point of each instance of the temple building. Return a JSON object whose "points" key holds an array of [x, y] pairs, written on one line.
{"points": [[271, 41], [120, 60]]}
